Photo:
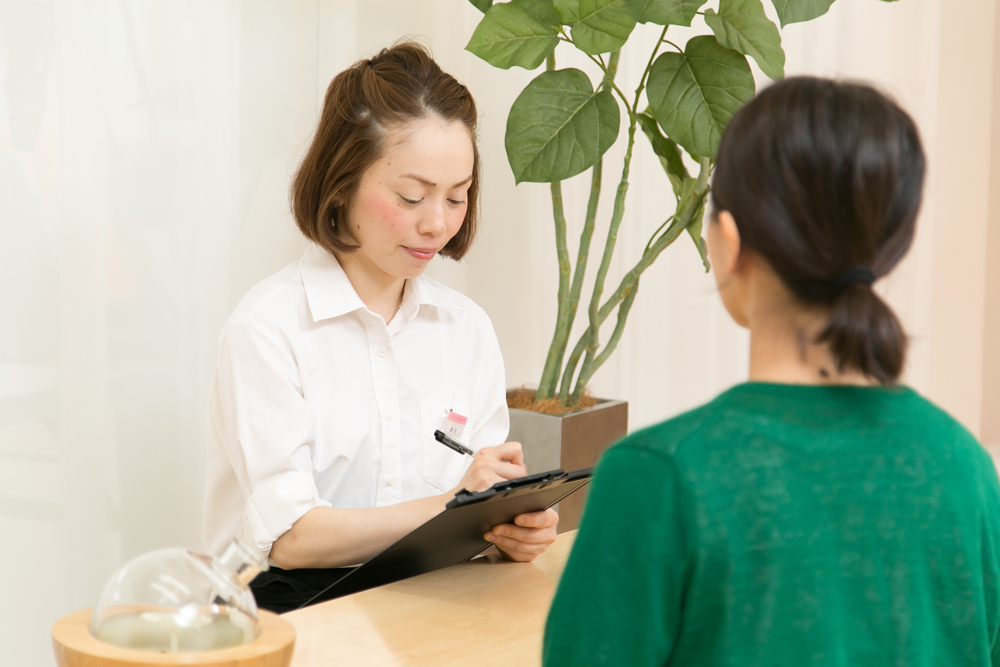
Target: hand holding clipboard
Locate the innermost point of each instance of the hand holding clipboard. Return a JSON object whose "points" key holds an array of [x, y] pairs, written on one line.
{"points": [[525, 536], [457, 534]]}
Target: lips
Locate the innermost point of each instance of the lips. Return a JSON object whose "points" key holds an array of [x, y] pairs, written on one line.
{"points": [[422, 253]]}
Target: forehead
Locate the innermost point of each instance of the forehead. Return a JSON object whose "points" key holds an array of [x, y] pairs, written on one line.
{"points": [[433, 147]]}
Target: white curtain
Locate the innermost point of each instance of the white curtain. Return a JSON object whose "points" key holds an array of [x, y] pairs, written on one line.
{"points": [[145, 154]]}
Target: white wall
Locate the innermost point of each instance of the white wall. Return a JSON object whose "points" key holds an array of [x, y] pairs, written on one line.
{"points": [[145, 151]]}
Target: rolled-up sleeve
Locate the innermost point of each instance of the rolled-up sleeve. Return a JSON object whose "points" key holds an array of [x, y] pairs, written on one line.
{"points": [[269, 430]]}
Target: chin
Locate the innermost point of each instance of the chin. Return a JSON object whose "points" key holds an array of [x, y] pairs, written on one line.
{"points": [[411, 271]]}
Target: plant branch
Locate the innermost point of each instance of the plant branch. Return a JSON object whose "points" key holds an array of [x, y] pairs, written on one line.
{"points": [[652, 238], [623, 311], [593, 312], [569, 298], [554, 356], [645, 72], [616, 335], [566, 313], [618, 212], [681, 220], [606, 69]]}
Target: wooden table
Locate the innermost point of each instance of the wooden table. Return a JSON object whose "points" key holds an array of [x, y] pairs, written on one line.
{"points": [[488, 611]]}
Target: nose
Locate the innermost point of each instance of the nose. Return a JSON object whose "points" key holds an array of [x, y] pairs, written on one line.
{"points": [[433, 223]]}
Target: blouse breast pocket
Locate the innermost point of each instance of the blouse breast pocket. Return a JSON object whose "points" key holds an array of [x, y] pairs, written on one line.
{"points": [[442, 466]]}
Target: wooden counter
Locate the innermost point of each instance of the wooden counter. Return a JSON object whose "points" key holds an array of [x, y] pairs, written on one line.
{"points": [[488, 611]]}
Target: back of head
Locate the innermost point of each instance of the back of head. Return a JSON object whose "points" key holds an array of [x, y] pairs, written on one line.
{"points": [[824, 181], [363, 103]]}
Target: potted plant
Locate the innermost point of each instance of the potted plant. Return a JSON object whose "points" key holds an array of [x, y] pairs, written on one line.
{"points": [[562, 124]]}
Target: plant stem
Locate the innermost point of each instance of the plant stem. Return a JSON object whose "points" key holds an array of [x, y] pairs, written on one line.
{"points": [[618, 212], [682, 219], [645, 73], [616, 335], [557, 348], [566, 313]]}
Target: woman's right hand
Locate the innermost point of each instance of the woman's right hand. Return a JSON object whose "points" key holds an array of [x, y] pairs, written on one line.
{"points": [[492, 465]]}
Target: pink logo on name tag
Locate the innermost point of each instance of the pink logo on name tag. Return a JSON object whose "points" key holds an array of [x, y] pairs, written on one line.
{"points": [[454, 424]]}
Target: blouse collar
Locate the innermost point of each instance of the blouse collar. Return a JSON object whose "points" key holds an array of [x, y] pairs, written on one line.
{"points": [[329, 292]]}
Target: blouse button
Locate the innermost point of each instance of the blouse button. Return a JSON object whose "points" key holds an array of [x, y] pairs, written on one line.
{"points": [[381, 351], [390, 415], [390, 480]]}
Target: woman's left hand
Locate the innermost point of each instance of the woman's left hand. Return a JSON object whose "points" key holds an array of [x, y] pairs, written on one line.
{"points": [[528, 536]]}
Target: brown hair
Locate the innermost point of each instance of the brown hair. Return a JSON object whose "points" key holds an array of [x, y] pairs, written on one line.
{"points": [[399, 85], [824, 181]]}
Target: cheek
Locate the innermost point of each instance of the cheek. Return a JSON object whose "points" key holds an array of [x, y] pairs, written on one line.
{"points": [[456, 220], [385, 217]]}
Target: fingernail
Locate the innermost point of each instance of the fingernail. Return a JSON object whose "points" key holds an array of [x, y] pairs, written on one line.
{"points": [[500, 531], [488, 537]]}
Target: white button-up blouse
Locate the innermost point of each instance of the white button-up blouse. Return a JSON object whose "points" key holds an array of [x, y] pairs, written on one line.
{"points": [[317, 402]]}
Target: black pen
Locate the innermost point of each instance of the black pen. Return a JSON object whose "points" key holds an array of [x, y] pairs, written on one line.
{"points": [[443, 438]]}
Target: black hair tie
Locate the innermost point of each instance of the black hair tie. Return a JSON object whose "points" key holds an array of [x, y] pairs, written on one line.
{"points": [[858, 274]]}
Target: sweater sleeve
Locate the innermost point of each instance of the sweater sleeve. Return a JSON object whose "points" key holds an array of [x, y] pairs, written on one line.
{"points": [[620, 596]]}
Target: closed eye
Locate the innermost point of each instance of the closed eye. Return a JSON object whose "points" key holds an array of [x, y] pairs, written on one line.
{"points": [[410, 201], [456, 202]]}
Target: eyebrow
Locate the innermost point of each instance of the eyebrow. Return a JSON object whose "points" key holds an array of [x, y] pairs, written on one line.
{"points": [[423, 180]]}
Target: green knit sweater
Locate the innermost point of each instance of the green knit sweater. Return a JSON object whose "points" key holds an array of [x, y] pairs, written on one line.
{"points": [[787, 525]]}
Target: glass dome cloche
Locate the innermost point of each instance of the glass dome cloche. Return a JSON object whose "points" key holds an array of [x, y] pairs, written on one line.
{"points": [[178, 601]]}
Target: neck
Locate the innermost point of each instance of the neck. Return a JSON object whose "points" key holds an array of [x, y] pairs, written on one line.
{"points": [[381, 293], [783, 349]]}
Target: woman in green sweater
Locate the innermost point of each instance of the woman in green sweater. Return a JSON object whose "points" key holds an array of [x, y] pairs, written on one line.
{"points": [[819, 514]]}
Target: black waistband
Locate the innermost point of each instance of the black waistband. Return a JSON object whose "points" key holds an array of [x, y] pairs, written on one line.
{"points": [[280, 590]]}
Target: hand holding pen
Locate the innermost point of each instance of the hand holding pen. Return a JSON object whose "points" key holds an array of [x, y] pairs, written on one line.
{"points": [[489, 465], [443, 438], [531, 533]]}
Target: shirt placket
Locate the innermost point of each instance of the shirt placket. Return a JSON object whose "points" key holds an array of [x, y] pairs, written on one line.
{"points": [[389, 489]]}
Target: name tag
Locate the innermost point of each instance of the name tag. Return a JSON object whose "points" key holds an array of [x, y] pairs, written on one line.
{"points": [[454, 424]]}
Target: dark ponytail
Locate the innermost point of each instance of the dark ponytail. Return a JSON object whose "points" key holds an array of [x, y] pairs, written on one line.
{"points": [[824, 180], [864, 334]]}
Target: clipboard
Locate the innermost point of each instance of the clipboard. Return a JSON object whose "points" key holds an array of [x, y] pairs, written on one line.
{"points": [[456, 535]]}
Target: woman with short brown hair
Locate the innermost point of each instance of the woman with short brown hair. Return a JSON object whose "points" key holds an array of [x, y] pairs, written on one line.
{"points": [[334, 373]]}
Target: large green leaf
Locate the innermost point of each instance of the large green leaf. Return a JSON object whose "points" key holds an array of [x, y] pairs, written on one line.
{"points": [[666, 150], [694, 94], [670, 12], [559, 126], [741, 25], [797, 11], [481, 5], [521, 32], [599, 26]]}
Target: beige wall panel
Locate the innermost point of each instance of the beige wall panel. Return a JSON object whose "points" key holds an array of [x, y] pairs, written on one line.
{"points": [[991, 332], [960, 175]]}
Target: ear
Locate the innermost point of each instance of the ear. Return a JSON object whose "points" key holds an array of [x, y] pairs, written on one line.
{"points": [[727, 238]]}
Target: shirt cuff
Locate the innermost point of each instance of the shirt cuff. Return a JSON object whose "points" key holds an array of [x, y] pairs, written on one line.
{"points": [[274, 506]]}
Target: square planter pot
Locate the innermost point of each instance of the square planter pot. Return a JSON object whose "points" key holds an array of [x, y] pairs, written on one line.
{"points": [[571, 441]]}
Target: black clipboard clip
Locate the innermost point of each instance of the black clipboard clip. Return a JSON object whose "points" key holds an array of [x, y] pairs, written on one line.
{"points": [[465, 497]]}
